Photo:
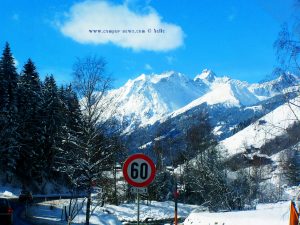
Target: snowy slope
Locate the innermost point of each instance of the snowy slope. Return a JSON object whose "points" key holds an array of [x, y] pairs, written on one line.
{"points": [[230, 93], [275, 214], [235, 93], [267, 128], [149, 97], [224, 90], [9, 192]]}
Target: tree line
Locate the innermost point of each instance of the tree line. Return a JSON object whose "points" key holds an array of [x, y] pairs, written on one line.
{"points": [[45, 134], [52, 135]]}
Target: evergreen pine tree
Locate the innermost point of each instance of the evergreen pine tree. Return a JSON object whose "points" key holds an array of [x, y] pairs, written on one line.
{"points": [[73, 112], [70, 132], [8, 114], [53, 119], [30, 120]]}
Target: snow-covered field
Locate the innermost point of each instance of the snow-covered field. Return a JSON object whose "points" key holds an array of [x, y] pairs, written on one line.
{"points": [[273, 214], [51, 212], [9, 192]]}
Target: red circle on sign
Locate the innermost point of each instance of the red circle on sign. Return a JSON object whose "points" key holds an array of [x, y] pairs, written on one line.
{"points": [[129, 160]]}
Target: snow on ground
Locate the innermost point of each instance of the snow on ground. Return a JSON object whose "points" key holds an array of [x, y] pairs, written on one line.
{"points": [[216, 130], [273, 214], [153, 211], [9, 192], [51, 212], [265, 129]]}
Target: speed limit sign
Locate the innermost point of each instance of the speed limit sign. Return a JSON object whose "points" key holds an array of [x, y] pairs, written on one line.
{"points": [[139, 170]]}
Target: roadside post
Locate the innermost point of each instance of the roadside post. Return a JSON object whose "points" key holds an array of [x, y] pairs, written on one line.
{"points": [[139, 172], [175, 194]]}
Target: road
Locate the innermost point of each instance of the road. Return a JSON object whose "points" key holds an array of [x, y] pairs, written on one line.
{"points": [[18, 209]]}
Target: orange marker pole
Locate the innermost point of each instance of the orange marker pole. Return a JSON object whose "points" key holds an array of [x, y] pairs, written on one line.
{"points": [[294, 216]]}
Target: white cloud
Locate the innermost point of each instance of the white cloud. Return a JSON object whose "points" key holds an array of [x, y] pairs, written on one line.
{"points": [[148, 67], [87, 16]]}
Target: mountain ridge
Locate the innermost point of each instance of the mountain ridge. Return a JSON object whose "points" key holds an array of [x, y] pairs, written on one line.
{"points": [[150, 98]]}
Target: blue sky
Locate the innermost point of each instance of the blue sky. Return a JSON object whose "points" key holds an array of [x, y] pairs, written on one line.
{"points": [[232, 37]]}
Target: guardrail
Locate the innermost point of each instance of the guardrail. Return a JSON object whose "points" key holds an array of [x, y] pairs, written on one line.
{"points": [[62, 196]]}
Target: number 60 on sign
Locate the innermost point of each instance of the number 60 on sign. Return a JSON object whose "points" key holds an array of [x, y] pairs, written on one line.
{"points": [[139, 170]]}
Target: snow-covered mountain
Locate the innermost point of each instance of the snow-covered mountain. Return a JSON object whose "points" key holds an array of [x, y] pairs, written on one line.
{"points": [[151, 98], [147, 98], [268, 89], [224, 90], [231, 92], [252, 123]]}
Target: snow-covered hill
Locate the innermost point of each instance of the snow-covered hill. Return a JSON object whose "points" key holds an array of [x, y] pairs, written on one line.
{"points": [[266, 142], [275, 214], [263, 131]]}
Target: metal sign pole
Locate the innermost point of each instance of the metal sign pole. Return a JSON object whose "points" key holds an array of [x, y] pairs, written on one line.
{"points": [[138, 209], [176, 200], [139, 172]]}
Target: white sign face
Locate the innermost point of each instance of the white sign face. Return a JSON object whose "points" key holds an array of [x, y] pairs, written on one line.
{"points": [[139, 170]]}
